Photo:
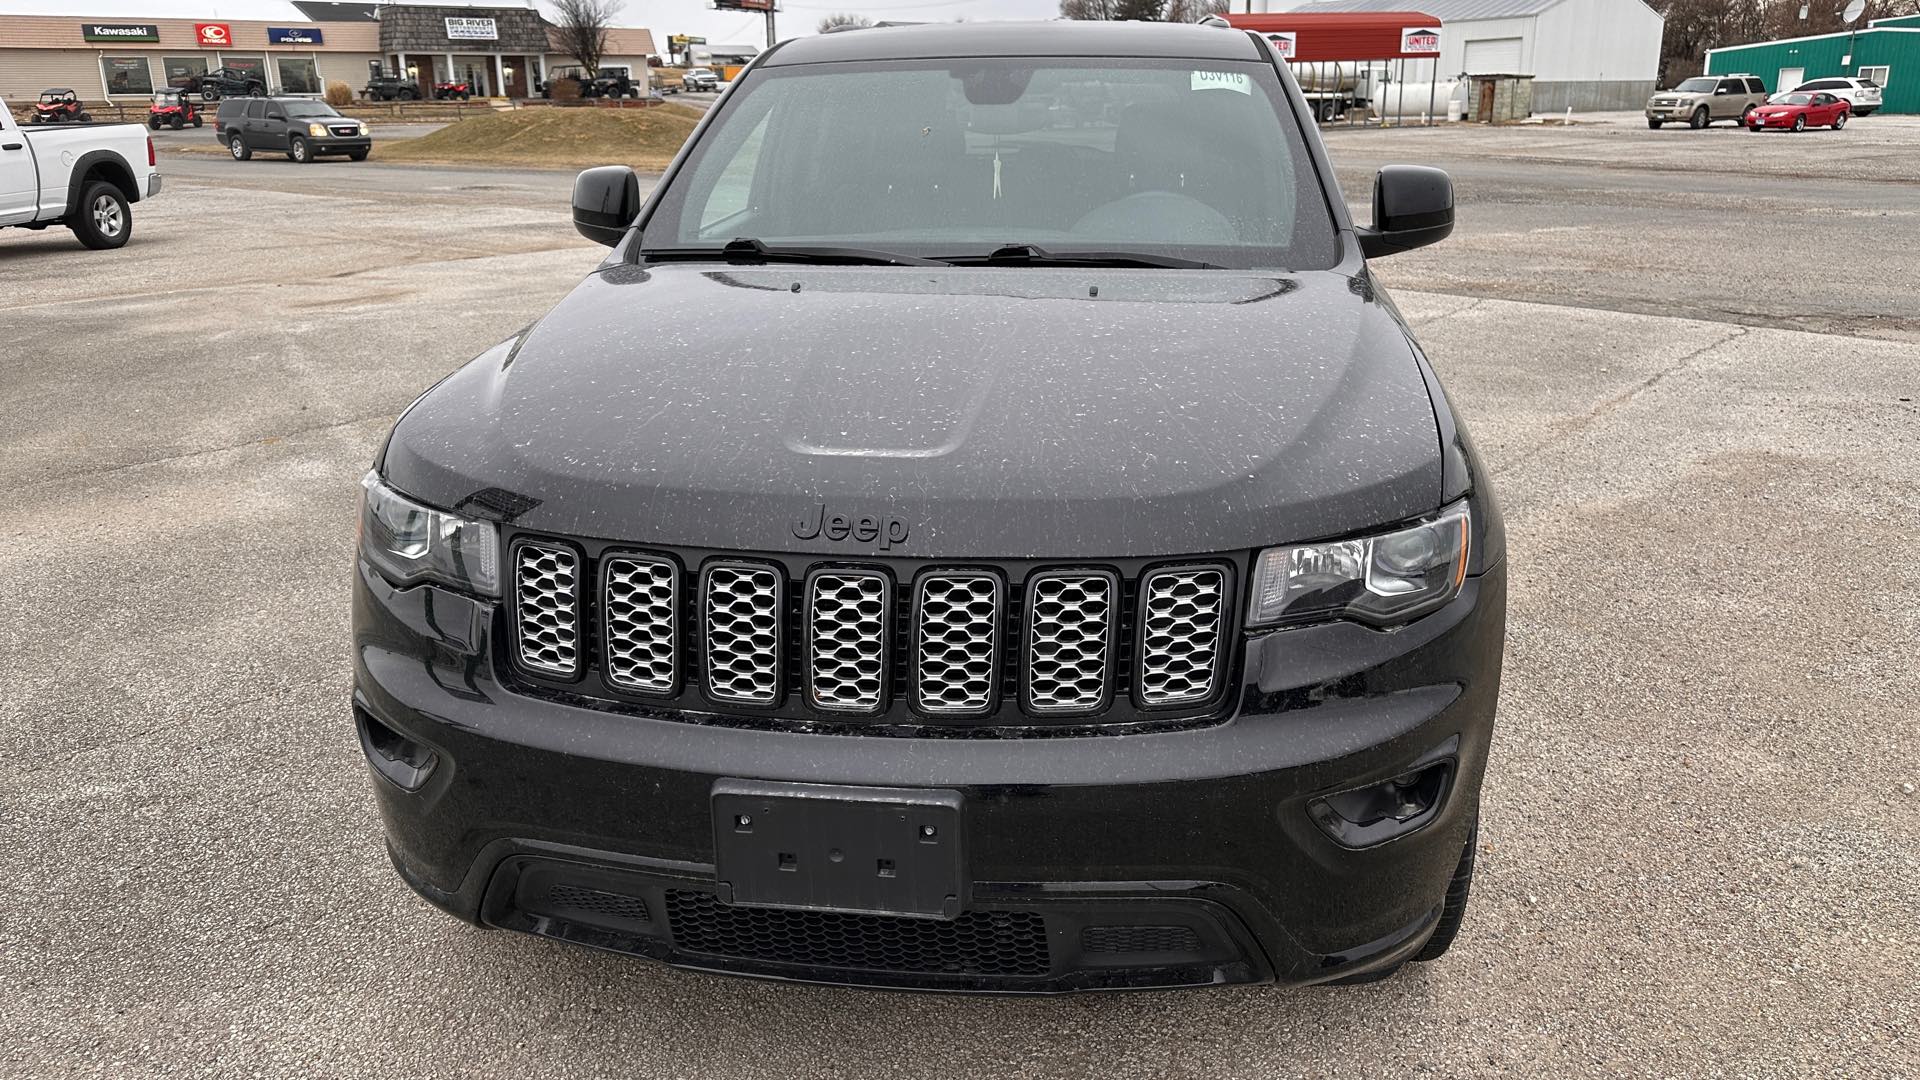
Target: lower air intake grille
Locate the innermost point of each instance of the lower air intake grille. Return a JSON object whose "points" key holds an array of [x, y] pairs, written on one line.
{"points": [[742, 605], [1070, 622], [1180, 615], [595, 902], [976, 943], [546, 588], [1139, 939]]}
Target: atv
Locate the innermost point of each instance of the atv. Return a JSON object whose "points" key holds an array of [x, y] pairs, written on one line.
{"points": [[446, 90], [59, 105], [171, 108]]}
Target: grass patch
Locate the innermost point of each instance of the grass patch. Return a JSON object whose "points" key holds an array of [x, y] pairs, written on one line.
{"points": [[553, 138]]}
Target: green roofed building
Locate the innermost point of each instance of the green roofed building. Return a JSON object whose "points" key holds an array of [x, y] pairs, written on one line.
{"points": [[1886, 51]]}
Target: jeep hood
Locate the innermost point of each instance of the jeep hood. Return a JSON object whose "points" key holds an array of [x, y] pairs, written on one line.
{"points": [[997, 412]]}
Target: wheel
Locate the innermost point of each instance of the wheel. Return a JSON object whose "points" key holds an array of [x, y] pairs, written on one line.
{"points": [[407, 95], [154, 123], [298, 149], [1455, 908], [238, 147], [176, 123], [1745, 113], [209, 93], [357, 155], [255, 90], [1800, 122], [1840, 121], [1699, 119], [1654, 124], [196, 119], [104, 221]]}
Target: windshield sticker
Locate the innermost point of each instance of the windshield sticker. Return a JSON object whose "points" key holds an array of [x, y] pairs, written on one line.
{"points": [[1235, 81]]}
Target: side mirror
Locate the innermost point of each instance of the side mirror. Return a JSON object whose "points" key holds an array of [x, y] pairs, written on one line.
{"points": [[605, 202], [1412, 207]]}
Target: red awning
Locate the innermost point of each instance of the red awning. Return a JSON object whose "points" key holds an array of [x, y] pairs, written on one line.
{"points": [[1347, 35]]}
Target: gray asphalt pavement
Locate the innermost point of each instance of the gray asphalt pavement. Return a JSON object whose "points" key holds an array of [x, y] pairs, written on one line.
{"points": [[1700, 854]]}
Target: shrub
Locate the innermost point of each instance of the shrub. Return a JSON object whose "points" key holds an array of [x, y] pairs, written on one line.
{"points": [[339, 93]]}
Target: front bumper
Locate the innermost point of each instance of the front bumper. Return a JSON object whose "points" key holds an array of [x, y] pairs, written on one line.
{"points": [[1681, 112], [1757, 121], [1174, 858], [334, 144]]}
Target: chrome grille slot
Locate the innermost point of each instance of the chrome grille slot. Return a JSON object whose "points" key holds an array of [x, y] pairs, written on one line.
{"points": [[741, 604], [956, 643], [639, 605], [1181, 611], [1070, 631], [546, 592], [847, 616]]}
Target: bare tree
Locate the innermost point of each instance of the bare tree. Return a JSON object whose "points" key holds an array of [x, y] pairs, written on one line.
{"points": [[582, 29], [1142, 10], [1185, 11], [842, 20], [1089, 9]]}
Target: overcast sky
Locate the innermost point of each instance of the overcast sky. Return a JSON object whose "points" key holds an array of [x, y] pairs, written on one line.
{"points": [[663, 17]]}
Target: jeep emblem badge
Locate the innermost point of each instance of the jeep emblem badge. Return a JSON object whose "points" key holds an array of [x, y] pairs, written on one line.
{"points": [[865, 528]]}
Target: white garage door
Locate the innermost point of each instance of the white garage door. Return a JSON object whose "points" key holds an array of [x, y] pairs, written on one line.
{"points": [[1493, 56]]}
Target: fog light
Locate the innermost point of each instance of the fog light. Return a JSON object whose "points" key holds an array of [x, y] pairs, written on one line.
{"points": [[1379, 812]]}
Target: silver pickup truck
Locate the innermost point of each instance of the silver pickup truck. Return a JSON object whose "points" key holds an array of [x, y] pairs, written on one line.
{"points": [[84, 176]]}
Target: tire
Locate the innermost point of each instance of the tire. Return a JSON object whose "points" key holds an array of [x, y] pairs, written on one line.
{"points": [[407, 95], [1699, 119], [209, 93], [1454, 911], [1654, 124], [357, 155], [154, 123], [238, 147], [1745, 113], [299, 150], [256, 90], [176, 123], [1840, 121], [104, 221], [1800, 122], [196, 120]]}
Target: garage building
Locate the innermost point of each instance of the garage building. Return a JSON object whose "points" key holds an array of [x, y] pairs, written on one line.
{"points": [[1587, 55], [1886, 51]]}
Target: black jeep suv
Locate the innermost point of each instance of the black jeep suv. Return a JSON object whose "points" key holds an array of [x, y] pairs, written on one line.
{"points": [[953, 542], [222, 82], [301, 128]]}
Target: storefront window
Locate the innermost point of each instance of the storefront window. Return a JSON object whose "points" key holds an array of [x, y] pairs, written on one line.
{"points": [[127, 74], [253, 66], [297, 76], [180, 69]]}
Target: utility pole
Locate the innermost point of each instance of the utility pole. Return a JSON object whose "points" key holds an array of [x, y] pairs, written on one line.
{"points": [[770, 24]]}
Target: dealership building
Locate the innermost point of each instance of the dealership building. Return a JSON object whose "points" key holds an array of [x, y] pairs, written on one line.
{"points": [[499, 51]]}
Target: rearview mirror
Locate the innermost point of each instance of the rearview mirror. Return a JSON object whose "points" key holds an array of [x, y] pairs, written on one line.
{"points": [[1412, 207], [605, 202]]}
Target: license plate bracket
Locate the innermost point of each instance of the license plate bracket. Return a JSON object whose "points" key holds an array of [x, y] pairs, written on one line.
{"points": [[818, 847]]}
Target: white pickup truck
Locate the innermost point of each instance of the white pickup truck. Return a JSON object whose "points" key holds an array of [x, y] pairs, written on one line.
{"points": [[84, 176]]}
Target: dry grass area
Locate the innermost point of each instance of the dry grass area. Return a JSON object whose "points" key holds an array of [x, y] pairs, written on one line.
{"points": [[553, 138]]}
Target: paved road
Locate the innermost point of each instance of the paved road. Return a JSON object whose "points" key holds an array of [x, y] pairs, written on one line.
{"points": [[1699, 855]]}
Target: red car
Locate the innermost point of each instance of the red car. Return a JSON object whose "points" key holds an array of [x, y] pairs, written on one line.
{"points": [[1799, 111]]}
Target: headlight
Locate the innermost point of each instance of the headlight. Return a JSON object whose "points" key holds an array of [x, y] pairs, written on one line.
{"points": [[316, 129], [409, 542], [363, 127], [1382, 579]]}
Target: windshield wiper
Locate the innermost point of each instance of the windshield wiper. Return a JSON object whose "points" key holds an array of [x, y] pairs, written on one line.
{"points": [[749, 250], [1035, 255]]}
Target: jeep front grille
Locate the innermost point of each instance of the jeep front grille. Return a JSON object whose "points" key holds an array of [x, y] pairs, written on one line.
{"points": [[1070, 625], [847, 616], [640, 605], [743, 613], [547, 591], [1180, 614], [997, 646], [957, 643]]}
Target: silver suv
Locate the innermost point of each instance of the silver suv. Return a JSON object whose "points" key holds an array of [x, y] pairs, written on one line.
{"points": [[1701, 100]]}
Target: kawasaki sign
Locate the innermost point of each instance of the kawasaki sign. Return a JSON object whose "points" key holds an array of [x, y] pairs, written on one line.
{"points": [[95, 31]]}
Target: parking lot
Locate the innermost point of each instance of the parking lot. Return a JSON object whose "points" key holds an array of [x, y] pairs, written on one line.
{"points": [[1691, 359]]}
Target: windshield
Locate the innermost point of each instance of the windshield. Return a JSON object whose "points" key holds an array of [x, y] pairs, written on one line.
{"points": [[304, 109], [1698, 86], [950, 159]]}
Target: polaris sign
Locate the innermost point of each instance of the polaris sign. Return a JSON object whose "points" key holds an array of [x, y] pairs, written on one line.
{"points": [[294, 35]]}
